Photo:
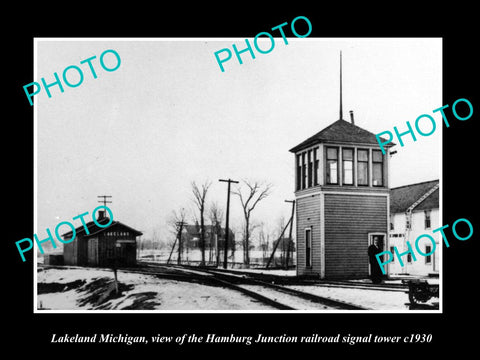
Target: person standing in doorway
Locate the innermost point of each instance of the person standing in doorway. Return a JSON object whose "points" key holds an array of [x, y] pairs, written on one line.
{"points": [[373, 250]]}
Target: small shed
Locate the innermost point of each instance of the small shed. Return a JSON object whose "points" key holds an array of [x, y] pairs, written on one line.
{"points": [[102, 246]]}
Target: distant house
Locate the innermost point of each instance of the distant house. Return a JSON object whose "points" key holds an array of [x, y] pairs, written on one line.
{"points": [[101, 246], [414, 210], [284, 244], [191, 237]]}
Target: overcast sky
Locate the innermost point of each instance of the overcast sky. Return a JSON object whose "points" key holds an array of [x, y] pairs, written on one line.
{"points": [[169, 116]]}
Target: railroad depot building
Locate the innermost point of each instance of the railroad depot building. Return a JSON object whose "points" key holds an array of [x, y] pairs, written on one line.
{"points": [[102, 246], [342, 200], [414, 210]]}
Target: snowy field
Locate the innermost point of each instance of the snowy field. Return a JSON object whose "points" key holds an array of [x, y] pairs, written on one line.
{"points": [[370, 299], [139, 292], [77, 288], [257, 257]]}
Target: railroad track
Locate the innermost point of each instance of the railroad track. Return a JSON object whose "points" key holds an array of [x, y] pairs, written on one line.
{"points": [[282, 280], [274, 295]]}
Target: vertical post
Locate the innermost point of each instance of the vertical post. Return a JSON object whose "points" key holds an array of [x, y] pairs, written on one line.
{"points": [[171, 251], [341, 105], [276, 244], [225, 255], [227, 229], [115, 279], [217, 255], [290, 232], [179, 236]]}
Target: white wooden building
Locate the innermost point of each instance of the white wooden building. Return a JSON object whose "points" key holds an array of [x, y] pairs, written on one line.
{"points": [[414, 210]]}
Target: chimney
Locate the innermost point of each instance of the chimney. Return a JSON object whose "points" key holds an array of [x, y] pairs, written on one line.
{"points": [[101, 215], [351, 117]]}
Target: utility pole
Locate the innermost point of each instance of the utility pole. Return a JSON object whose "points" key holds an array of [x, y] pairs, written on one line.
{"points": [[290, 233], [104, 201], [117, 245], [179, 236], [229, 181]]}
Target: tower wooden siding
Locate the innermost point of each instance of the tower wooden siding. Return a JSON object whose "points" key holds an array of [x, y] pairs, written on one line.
{"points": [[348, 221], [308, 216]]}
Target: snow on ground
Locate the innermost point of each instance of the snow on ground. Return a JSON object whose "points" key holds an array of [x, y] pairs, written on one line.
{"points": [[145, 292], [289, 300], [371, 299], [278, 272], [77, 288]]}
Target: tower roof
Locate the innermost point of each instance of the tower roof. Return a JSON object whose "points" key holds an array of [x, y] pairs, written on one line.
{"points": [[343, 132]]}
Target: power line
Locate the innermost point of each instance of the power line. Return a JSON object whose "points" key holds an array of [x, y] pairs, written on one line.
{"points": [[104, 201]]}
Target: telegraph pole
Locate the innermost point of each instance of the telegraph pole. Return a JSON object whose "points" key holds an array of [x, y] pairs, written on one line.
{"points": [[180, 228], [115, 251], [104, 201], [229, 181]]}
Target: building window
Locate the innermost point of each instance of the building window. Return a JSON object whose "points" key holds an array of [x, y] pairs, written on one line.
{"points": [[428, 258], [308, 247], [332, 165], [377, 167], [310, 168], [362, 167], [347, 168], [316, 162], [428, 222], [408, 223], [299, 172], [392, 250]]}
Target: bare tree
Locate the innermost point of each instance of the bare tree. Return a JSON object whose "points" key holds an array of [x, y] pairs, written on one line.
{"points": [[215, 214], [264, 238], [249, 199], [200, 195]]}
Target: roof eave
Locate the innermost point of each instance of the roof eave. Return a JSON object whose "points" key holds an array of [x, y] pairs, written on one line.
{"points": [[304, 146]]}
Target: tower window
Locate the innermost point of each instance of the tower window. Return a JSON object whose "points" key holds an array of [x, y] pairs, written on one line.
{"points": [[377, 167], [347, 160], [304, 170], [299, 172], [332, 165], [362, 167], [310, 168]]}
